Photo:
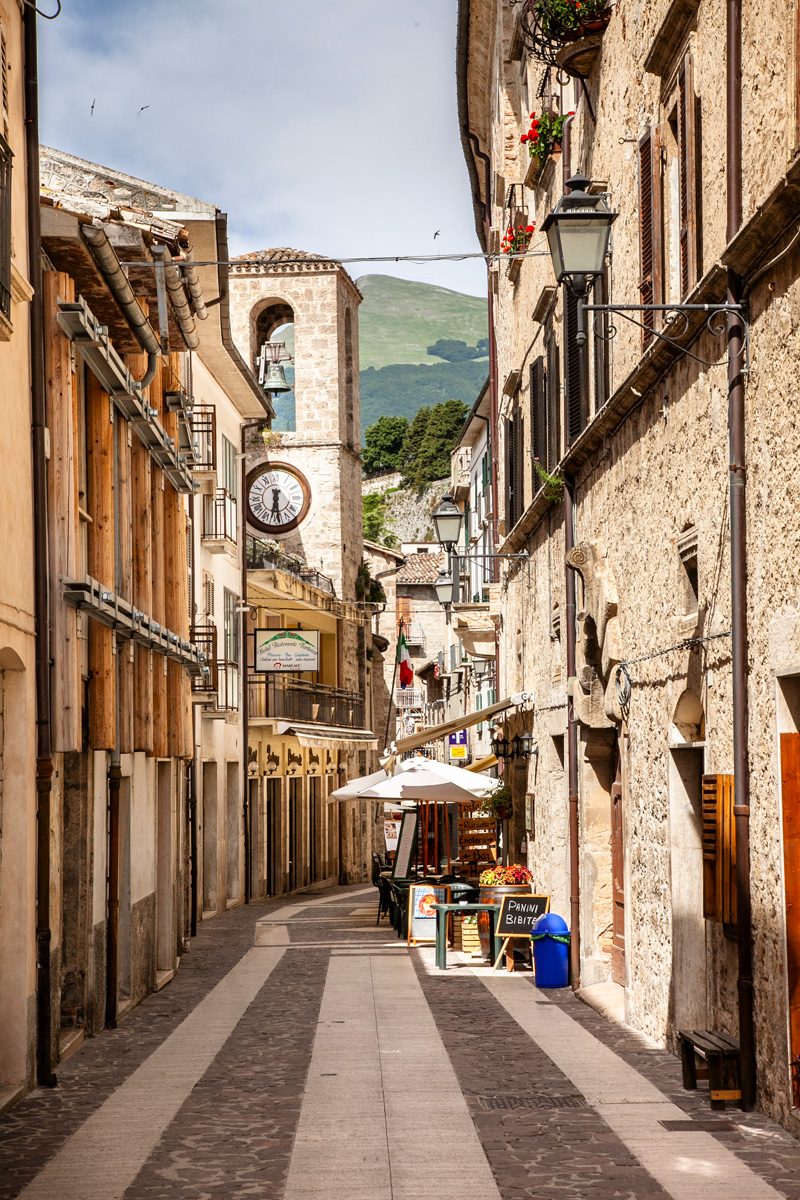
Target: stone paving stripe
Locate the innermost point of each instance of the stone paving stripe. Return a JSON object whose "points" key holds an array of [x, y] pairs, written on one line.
{"points": [[379, 1095], [689, 1166], [125, 1129]]}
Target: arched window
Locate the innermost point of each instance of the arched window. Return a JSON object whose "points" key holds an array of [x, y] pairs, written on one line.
{"points": [[275, 323], [349, 397]]}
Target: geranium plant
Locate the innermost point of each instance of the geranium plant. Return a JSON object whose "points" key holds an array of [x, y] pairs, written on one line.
{"points": [[560, 18], [517, 239], [505, 876], [497, 804], [544, 132]]}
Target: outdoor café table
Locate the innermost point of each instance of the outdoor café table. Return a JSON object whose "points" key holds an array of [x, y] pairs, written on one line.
{"points": [[442, 913]]}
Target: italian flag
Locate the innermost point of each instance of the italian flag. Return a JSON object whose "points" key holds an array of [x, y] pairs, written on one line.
{"points": [[404, 659]]}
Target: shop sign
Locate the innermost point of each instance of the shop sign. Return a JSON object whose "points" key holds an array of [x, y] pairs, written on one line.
{"points": [[458, 744], [287, 650], [391, 832], [518, 915]]}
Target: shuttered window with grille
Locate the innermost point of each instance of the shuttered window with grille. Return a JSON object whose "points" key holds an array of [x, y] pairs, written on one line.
{"points": [[688, 175], [601, 363], [511, 482], [553, 389], [577, 414], [538, 420], [719, 850], [650, 230]]}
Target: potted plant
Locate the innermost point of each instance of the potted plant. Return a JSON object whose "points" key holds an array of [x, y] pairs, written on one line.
{"points": [[495, 883], [545, 134], [517, 239], [497, 804], [566, 20]]}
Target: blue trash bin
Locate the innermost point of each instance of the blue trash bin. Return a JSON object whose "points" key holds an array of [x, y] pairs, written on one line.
{"points": [[550, 938]]}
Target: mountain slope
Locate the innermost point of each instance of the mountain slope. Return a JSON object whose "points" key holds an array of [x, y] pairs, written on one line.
{"points": [[399, 319]]}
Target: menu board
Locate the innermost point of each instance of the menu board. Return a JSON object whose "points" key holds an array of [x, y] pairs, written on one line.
{"points": [[405, 846], [421, 913], [518, 915]]}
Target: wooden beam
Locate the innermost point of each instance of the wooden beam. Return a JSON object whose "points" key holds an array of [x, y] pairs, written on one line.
{"points": [[157, 491], [100, 448], [64, 528], [174, 568], [123, 500]]}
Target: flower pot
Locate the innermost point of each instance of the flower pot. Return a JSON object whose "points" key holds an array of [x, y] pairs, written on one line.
{"points": [[556, 146], [493, 894], [503, 812], [595, 25]]}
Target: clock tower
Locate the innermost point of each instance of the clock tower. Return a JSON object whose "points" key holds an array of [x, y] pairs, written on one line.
{"points": [[303, 485]]}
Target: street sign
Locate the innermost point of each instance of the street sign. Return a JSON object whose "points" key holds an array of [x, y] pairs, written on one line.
{"points": [[458, 744], [287, 650]]}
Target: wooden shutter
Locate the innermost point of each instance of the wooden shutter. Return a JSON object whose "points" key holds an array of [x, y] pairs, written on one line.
{"points": [[403, 610], [576, 415], [512, 460], [719, 849], [519, 465], [601, 382], [687, 161], [538, 420], [553, 385]]}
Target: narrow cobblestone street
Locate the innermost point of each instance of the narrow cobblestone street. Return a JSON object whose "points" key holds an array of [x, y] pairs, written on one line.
{"points": [[303, 1053]]}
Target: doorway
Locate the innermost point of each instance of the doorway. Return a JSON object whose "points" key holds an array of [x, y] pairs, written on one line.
{"points": [[295, 840], [124, 929], [272, 848], [210, 837], [165, 941], [617, 879], [233, 825], [789, 746]]}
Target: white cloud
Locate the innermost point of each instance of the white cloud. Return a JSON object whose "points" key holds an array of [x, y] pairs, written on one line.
{"points": [[327, 126]]}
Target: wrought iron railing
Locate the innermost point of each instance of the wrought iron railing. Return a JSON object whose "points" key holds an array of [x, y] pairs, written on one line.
{"points": [[219, 516], [261, 556], [204, 637], [203, 424], [415, 636], [290, 699], [547, 25], [227, 685], [409, 697]]}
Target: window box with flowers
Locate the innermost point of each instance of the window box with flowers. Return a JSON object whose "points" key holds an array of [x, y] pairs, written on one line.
{"points": [[516, 240], [568, 20], [543, 140]]}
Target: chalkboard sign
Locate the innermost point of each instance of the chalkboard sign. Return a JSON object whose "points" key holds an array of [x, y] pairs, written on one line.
{"points": [[421, 913], [405, 846], [518, 914]]}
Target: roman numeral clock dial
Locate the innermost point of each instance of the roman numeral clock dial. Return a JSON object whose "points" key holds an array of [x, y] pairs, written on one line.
{"points": [[278, 498]]}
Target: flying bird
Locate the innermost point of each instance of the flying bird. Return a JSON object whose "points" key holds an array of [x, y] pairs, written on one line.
{"points": [[141, 110], [91, 110], [438, 231]]}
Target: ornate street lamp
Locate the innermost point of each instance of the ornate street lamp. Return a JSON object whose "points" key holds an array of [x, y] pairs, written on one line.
{"points": [[527, 744], [480, 667], [500, 748], [578, 231], [516, 746], [447, 521], [444, 587]]}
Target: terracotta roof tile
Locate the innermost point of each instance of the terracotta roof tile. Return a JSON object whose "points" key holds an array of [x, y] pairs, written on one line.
{"points": [[420, 568], [278, 255]]}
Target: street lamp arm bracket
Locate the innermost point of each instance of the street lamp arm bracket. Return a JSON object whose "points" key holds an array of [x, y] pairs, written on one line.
{"points": [[677, 314]]}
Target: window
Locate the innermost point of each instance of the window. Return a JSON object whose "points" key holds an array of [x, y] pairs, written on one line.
{"points": [[230, 473], [515, 504], [553, 384], [5, 227], [602, 382], [687, 159], [719, 850], [650, 226], [689, 583], [208, 600], [3, 81], [575, 399], [538, 419], [231, 626]]}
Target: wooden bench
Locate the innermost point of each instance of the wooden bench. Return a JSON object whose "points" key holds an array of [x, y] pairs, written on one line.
{"points": [[721, 1054]]}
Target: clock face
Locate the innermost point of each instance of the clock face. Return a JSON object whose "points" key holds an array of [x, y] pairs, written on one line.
{"points": [[278, 498]]}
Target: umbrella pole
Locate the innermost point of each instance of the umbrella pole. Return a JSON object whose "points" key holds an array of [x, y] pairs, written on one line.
{"points": [[436, 855], [425, 839], [447, 835]]}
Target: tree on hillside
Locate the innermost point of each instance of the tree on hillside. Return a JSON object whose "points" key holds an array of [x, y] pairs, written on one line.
{"points": [[455, 351], [431, 438], [376, 527], [384, 444]]}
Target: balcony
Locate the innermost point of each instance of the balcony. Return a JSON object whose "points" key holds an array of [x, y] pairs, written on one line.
{"points": [[227, 686], [290, 699], [219, 521], [415, 636], [266, 556], [204, 684], [203, 427], [406, 698]]}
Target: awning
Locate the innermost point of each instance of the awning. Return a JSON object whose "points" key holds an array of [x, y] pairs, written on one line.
{"points": [[329, 737], [483, 764], [434, 732]]}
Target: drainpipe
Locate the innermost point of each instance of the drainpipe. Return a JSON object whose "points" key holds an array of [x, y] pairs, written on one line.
{"points": [[572, 728], [193, 768], [44, 760], [109, 265], [114, 785], [738, 497]]}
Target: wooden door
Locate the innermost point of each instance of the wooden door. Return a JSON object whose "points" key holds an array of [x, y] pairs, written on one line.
{"points": [[617, 880], [790, 790]]}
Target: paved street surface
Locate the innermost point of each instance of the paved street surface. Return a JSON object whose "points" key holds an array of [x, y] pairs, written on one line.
{"points": [[303, 1054]]}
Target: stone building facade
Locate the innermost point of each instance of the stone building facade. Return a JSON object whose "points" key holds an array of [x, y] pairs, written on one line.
{"points": [[308, 729], [641, 443]]}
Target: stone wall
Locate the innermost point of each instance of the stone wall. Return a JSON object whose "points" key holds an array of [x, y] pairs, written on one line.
{"points": [[658, 473]]}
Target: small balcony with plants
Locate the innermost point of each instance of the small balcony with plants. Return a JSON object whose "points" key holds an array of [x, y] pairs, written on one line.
{"points": [[543, 142], [519, 231], [565, 34], [219, 521]]}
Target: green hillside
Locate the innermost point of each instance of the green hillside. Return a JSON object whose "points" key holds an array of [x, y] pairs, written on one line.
{"points": [[399, 319], [402, 389]]}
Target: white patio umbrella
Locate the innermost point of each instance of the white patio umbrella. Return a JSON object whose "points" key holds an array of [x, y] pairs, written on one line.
{"points": [[351, 789], [474, 782], [424, 784]]}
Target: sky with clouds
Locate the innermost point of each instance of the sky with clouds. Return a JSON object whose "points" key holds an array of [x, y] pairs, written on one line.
{"points": [[322, 126]]}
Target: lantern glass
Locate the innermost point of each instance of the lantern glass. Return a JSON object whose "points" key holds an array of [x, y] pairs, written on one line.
{"points": [[516, 746], [447, 521], [527, 743], [444, 587], [578, 232], [480, 666]]}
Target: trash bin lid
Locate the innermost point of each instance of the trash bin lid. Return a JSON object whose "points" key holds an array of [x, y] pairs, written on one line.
{"points": [[550, 923]]}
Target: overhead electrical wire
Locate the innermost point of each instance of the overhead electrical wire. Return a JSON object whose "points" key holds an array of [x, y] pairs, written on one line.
{"points": [[327, 261]]}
